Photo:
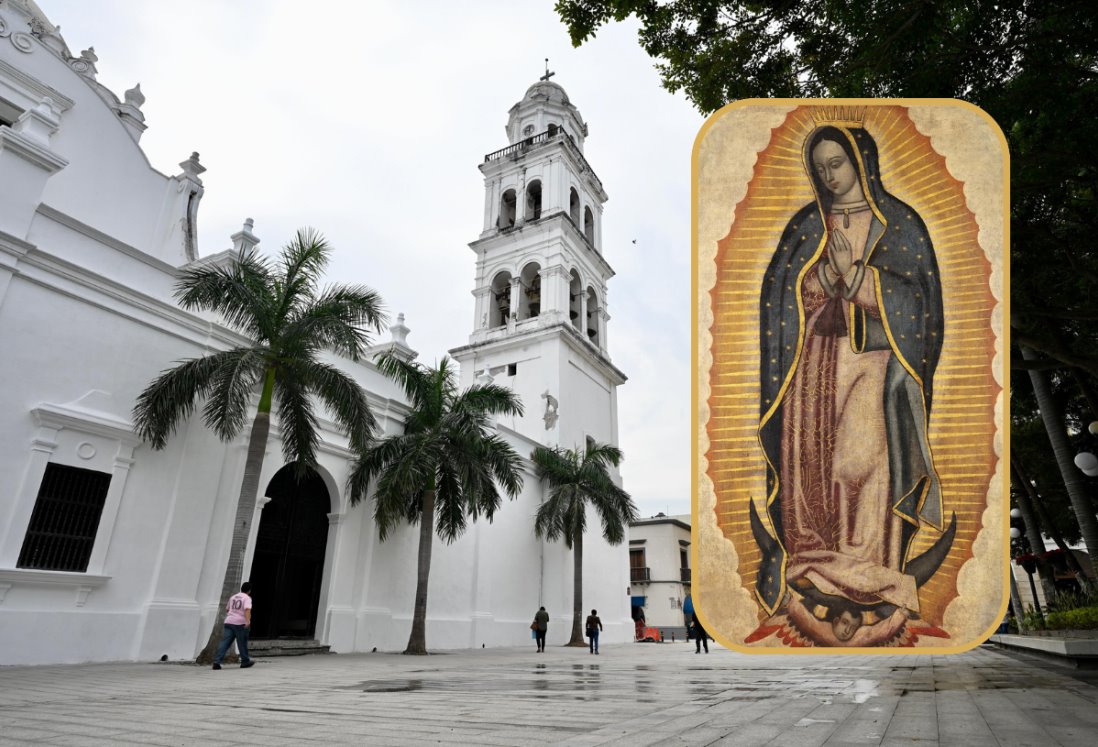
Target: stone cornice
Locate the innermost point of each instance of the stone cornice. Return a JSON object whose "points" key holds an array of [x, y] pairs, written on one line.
{"points": [[589, 352], [86, 421], [69, 222], [29, 150], [34, 88], [584, 250]]}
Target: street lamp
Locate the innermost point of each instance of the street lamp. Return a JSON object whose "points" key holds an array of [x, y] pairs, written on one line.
{"points": [[1028, 561], [1086, 461]]}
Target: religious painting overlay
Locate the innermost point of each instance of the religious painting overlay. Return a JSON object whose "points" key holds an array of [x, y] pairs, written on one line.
{"points": [[737, 484]]}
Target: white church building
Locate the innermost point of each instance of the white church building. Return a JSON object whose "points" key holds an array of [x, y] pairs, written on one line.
{"points": [[112, 551]]}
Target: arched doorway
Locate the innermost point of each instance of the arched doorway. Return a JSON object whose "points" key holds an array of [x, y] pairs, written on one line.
{"points": [[288, 564]]}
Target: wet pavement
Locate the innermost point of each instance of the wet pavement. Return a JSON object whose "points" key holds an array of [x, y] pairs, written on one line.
{"points": [[632, 694]]}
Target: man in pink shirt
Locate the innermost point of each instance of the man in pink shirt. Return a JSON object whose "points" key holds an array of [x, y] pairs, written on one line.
{"points": [[238, 621]]}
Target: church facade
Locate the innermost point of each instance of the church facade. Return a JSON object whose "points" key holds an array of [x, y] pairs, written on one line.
{"points": [[112, 551]]}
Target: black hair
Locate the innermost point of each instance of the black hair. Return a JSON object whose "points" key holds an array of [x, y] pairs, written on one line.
{"points": [[246, 587], [835, 135]]}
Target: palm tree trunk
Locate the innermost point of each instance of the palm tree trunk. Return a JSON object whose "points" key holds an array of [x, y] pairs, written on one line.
{"points": [[417, 641], [577, 591], [1057, 435], [1016, 602], [1033, 530], [245, 511]]}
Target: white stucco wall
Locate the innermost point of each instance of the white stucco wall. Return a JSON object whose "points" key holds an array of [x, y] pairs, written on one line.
{"points": [[90, 246]]}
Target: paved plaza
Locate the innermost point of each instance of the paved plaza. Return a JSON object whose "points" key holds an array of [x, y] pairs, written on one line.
{"points": [[631, 694]]}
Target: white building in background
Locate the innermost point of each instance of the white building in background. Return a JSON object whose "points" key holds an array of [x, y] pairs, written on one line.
{"points": [[112, 551], [659, 572]]}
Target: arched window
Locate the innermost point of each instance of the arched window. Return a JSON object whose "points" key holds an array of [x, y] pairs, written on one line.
{"points": [[500, 303], [592, 316], [574, 206], [533, 200], [589, 225], [507, 210], [530, 297], [575, 300]]}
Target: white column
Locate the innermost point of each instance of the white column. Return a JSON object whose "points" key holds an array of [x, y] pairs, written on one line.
{"points": [[516, 295]]}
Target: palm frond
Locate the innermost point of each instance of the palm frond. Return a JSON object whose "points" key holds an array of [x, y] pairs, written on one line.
{"points": [[576, 480], [240, 293], [445, 448], [171, 398], [450, 503], [343, 397], [303, 261], [339, 319], [300, 438], [234, 380], [490, 399], [415, 379]]}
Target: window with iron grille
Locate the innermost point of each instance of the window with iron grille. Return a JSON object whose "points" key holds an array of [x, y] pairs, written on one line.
{"points": [[65, 519]]}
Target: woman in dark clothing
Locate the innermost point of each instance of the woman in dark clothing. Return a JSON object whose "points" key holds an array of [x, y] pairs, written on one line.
{"points": [[700, 636]]}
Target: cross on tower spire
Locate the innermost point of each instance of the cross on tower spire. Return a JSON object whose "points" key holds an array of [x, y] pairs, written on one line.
{"points": [[548, 74]]}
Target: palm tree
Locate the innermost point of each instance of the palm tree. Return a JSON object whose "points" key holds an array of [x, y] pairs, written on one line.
{"points": [[289, 319], [445, 466], [1061, 448], [575, 480]]}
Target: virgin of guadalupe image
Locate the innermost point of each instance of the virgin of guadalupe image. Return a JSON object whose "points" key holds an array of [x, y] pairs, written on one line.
{"points": [[851, 329]]}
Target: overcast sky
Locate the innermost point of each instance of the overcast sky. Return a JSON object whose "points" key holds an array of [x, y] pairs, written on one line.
{"points": [[367, 121]]}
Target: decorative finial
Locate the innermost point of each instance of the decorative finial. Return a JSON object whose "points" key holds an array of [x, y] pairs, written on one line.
{"points": [[400, 331], [134, 97], [191, 167], [548, 74], [244, 240]]}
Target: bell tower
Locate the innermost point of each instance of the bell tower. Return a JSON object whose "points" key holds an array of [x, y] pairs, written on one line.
{"points": [[540, 324]]}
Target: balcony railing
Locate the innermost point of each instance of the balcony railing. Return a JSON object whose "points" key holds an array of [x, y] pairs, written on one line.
{"points": [[685, 577], [523, 145], [526, 144], [637, 575]]}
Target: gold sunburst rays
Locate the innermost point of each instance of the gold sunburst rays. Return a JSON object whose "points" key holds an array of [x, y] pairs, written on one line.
{"points": [[916, 174]]}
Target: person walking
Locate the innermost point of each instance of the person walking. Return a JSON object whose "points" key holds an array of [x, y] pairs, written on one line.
{"points": [[238, 622], [540, 626], [701, 638], [594, 626]]}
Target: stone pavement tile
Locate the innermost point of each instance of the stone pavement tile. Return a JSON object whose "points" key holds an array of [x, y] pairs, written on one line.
{"points": [[1009, 724], [750, 735], [789, 711], [1072, 735], [27, 735], [961, 721], [816, 727], [868, 722], [915, 717]]}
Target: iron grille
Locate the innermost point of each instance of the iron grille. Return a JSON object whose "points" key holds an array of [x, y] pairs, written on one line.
{"points": [[65, 519]]}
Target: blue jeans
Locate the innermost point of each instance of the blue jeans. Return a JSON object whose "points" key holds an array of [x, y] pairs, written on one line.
{"points": [[594, 636], [239, 633]]}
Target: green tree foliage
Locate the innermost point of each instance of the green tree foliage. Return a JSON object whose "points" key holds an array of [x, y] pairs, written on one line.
{"points": [[1031, 65], [289, 320], [578, 480], [445, 467]]}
